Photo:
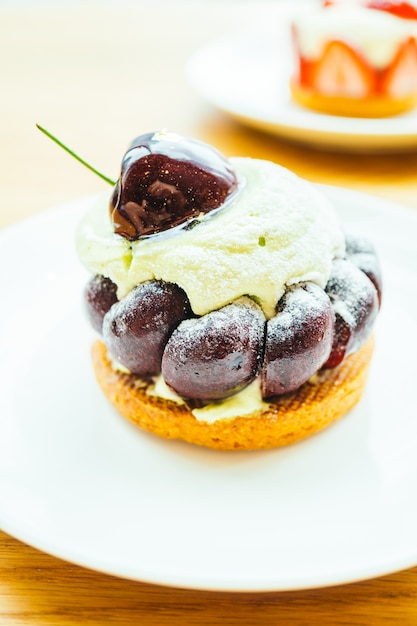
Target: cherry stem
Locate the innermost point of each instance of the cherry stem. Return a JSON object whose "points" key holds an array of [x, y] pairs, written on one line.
{"points": [[73, 154]]}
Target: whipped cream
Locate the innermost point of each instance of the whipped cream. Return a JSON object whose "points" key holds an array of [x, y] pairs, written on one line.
{"points": [[377, 34], [277, 230]]}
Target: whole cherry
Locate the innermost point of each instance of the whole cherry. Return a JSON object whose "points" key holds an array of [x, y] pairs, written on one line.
{"points": [[298, 339], [136, 329], [166, 180], [355, 302], [216, 355]]}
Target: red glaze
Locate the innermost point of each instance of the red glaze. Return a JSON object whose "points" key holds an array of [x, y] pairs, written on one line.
{"points": [[401, 9], [405, 10]]}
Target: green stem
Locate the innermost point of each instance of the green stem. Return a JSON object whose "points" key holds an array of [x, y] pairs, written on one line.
{"points": [[73, 154]]}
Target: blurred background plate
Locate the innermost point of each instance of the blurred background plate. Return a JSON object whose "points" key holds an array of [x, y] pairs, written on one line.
{"points": [[246, 75]]}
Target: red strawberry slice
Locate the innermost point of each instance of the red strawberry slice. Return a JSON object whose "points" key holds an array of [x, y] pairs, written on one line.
{"points": [[400, 79], [343, 72]]}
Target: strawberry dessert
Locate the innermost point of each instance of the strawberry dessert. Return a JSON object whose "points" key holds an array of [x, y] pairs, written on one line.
{"points": [[356, 58], [231, 309]]}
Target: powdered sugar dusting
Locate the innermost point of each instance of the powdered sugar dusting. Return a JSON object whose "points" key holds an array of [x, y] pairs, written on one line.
{"points": [[278, 230], [242, 319], [302, 305], [217, 354], [354, 298], [299, 339], [223, 259]]}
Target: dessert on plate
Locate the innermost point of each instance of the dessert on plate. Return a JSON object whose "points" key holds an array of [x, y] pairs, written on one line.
{"points": [[232, 311], [356, 58]]}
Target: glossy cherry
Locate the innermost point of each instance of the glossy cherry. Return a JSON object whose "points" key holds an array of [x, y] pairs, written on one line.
{"points": [[167, 180]]}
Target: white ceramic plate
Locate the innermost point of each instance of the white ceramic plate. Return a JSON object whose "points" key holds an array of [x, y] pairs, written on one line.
{"points": [[247, 75], [80, 482]]}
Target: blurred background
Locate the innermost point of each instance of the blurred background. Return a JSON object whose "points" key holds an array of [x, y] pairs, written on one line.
{"points": [[98, 74]]}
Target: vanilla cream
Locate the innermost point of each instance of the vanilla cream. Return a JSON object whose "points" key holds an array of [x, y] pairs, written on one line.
{"points": [[277, 230], [377, 34], [245, 403]]}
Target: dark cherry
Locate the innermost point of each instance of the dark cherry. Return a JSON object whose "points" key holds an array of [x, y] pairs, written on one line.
{"points": [[167, 180], [100, 294], [355, 302], [137, 328], [298, 339], [216, 355], [361, 253]]}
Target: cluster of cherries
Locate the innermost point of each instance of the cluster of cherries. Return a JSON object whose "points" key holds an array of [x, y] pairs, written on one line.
{"points": [[166, 183]]}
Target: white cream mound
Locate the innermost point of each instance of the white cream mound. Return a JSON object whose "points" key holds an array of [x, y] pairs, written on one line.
{"points": [[277, 230], [376, 34]]}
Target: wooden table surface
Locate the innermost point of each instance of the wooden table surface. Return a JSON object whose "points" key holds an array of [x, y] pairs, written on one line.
{"points": [[98, 74]]}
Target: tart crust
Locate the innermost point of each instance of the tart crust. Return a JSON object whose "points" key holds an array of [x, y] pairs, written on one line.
{"points": [[292, 417], [371, 106]]}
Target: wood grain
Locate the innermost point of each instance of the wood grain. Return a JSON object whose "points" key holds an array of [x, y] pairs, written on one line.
{"points": [[38, 589], [97, 74]]}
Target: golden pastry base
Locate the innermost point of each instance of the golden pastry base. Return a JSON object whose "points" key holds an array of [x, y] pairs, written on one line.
{"points": [[291, 417]]}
